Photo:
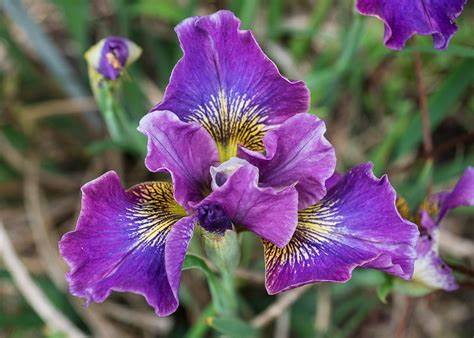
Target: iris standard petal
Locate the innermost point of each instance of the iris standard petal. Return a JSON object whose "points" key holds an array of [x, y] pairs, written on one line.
{"points": [[226, 83], [430, 270], [462, 194], [354, 224], [184, 149], [296, 153], [119, 242], [268, 212], [405, 18]]}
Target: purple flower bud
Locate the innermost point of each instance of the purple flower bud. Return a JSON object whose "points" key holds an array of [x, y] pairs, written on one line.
{"points": [[110, 56]]}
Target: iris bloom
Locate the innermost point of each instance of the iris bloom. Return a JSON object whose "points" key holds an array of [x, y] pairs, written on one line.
{"points": [[110, 56], [405, 18], [430, 270], [242, 154]]}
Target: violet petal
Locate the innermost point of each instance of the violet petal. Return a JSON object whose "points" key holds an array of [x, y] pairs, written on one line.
{"points": [[355, 224], [270, 213], [119, 242], [405, 18], [462, 194], [296, 153], [184, 149], [430, 270], [225, 82]]}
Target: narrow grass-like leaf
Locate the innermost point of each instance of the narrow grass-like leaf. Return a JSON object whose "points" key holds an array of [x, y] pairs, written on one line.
{"points": [[167, 10], [199, 329], [195, 262], [301, 42], [233, 327], [248, 11], [381, 154]]}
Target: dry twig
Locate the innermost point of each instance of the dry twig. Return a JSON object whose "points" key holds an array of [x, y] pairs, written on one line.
{"points": [[250, 276], [279, 306], [455, 245], [39, 227], [282, 325], [33, 295], [323, 310], [16, 160], [138, 318], [68, 106]]}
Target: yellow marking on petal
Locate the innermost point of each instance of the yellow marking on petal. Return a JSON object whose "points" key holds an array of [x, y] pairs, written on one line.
{"points": [[430, 206], [315, 226], [403, 208], [155, 213], [232, 119]]}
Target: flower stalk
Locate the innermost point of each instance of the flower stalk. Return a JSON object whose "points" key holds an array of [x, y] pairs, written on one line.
{"points": [[224, 252], [107, 62], [120, 128]]}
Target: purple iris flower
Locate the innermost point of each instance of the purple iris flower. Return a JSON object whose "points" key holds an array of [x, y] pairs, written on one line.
{"points": [[356, 224], [242, 153], [430, 270], [111, 55], [405, 18]]}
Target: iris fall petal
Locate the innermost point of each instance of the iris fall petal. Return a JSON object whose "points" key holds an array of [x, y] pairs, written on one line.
{"points": [[120, 239]]}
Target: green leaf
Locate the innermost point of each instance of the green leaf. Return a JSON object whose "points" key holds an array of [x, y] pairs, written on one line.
{"points": [[411, 288], [385, 289], [218, 296], [77, 15], [447, 171], [200, 328], [274, 18], [98, 147], [233, 327], [248, 12], [381, 154], [56, 334], [195, 262], [326, 81], [415, 190], [167, 10], [301, 42]]}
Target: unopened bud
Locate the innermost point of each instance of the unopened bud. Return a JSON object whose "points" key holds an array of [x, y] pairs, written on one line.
{"points": [[110, 56]]}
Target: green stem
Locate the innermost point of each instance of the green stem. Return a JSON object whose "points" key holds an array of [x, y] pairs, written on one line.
{"points": [[224, 252], [106, 106], [228, 286], [121, 129]]}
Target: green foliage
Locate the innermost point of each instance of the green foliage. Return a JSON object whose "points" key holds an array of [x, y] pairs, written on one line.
{"points": [[233, 327], [167, 10], [218, 295], [77, 14], [385, 289]]}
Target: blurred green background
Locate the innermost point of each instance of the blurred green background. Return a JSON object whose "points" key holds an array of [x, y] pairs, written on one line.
{"points": [[52, 140]]}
